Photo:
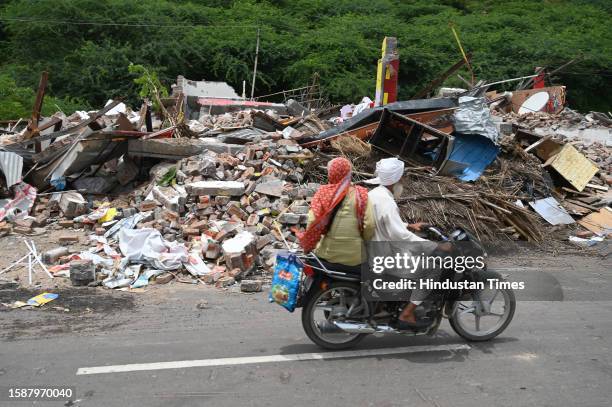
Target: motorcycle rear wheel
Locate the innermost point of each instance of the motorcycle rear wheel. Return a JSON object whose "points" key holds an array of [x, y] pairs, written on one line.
{"points": [[462, 309], [318, 302]]}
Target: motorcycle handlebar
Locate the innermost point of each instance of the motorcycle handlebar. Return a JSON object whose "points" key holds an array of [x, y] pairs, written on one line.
{"points": [[438, 233]]}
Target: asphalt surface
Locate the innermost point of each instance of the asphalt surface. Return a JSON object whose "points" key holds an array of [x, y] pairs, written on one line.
{"points": [[555, 353]]}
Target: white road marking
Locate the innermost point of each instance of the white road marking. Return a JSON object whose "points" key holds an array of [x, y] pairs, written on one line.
{"points": [[515, 269], [181, 364]]}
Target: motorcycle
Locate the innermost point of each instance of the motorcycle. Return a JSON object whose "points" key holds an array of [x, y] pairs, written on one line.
{"points": [[336, 315]]}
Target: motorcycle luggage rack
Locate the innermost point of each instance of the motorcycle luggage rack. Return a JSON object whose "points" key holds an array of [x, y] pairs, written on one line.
{"points": [[321, 267], [311, 256]]}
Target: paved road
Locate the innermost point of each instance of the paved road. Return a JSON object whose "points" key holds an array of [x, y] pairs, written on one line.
{"points": [[553, 354]]}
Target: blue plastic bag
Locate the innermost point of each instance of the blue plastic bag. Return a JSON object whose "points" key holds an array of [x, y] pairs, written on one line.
{"points": [[286, 281]]}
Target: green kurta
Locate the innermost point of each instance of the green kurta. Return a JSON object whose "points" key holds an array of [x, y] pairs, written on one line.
{"points": [[343, 242]]}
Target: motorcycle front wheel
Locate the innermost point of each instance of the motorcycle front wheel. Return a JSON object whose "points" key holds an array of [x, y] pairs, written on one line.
{"points": [[319, 310], [484, 314]]}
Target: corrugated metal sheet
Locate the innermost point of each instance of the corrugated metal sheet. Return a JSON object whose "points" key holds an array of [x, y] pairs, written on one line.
{"points": [[11, 165], [549, 209]]}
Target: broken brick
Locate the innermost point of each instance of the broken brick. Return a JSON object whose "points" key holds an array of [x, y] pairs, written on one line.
{"points": [[147, 206], [252, 220], [164, 278], [251, 286], [225, 281], [237, 211], [68, 239]]}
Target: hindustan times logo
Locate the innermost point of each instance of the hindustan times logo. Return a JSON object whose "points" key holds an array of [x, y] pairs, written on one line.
{"points": [[430, 284]]}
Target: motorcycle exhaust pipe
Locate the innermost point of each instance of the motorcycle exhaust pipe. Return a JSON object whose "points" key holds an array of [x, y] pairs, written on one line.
{"points": [[354, 328], [327, 327], [359, 328], [336, 327]]}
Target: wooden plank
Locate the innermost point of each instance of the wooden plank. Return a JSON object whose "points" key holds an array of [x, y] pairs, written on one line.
{"points": [[38, 102], [433, 118], [574, 167], [362, 133], [32, 128], [573, 191], [582, 204], [575, 209], [72, 129], [440, 79], [556, 93], [597, 187], [547, 149], [537, 143]]}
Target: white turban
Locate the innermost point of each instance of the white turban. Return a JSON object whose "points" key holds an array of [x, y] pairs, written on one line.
{"points": [[388, 172]]}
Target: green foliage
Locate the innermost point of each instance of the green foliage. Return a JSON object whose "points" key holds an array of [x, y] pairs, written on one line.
{"points": [[339, 39], [150, 85], [16, 102]]}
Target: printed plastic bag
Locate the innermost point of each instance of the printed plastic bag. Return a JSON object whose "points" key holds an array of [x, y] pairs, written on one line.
{"points": [[286, 281]]}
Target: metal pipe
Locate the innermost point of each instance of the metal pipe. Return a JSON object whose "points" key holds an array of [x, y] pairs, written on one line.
{"points": [[255, 65]]}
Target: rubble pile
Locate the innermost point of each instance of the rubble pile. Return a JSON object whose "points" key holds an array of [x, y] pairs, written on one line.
{"points": [[208, 192], [555, 121], [486, 207], [216, 208], [219, 216]]}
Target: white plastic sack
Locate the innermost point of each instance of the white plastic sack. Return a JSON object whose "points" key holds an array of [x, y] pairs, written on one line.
{"points": [[96, 259], [578, 241], [365, 104], [238, 243], [127, 223], [195, 265], [148, 246], [346, 111]]}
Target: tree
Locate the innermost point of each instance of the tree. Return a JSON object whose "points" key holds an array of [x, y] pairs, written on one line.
{"points": [[339, 39]]}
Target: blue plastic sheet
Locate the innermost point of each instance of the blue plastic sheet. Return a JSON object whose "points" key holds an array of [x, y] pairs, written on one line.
{"points": [[471, 154]]}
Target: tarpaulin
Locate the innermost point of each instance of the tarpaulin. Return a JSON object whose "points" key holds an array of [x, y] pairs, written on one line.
{"points": [[127, 223], [470, 155], [474, 117], [20, 205]]}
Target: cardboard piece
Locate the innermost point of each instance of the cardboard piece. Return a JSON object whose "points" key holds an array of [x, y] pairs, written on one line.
{"points": [[598, 222]]}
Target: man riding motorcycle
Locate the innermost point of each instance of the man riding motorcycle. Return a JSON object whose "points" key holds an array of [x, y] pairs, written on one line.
{"points": [[391, 228], [337, 310]]}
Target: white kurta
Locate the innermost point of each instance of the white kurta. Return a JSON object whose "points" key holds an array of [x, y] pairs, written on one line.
{"points": [[391, 228], [389, 225]]}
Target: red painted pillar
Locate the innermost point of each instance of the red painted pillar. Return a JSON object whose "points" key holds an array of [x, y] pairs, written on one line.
{"points": [[387, 72]]}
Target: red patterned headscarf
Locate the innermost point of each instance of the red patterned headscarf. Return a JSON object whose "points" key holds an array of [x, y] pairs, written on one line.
{"points": [[328, 197]]}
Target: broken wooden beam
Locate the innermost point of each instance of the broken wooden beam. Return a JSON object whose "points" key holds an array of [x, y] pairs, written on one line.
{"points": [[32, 128]]}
